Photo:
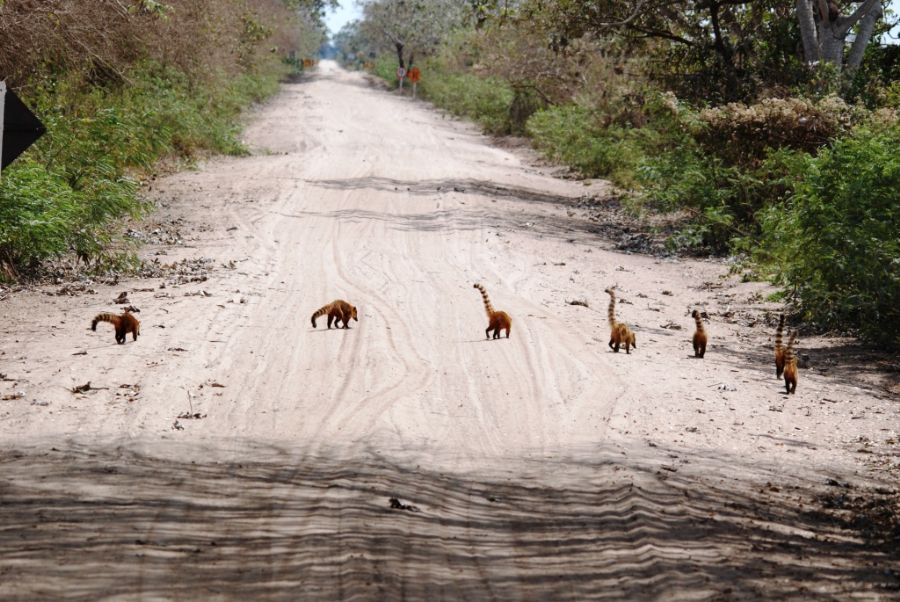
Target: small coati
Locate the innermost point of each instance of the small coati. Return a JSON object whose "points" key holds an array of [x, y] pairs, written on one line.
{"points": [[338, 311], [619, 333], [779, 348], [123, 324], [790, 365], [497, 320], [699, 336]]}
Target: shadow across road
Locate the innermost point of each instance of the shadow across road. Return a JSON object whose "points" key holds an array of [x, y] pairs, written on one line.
{"points": [[84, 524]]}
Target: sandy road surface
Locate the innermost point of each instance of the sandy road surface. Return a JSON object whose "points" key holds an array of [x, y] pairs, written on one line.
{"points": [[539, 467]]}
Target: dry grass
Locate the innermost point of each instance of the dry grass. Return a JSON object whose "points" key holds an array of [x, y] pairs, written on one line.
{"points": [[103, 38]]}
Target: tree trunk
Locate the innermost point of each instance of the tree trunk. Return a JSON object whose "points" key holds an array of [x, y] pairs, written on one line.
{"points": [[399, 47], [825, 37], [808, 31], [723, 48], [831, 45], [866, 28]]}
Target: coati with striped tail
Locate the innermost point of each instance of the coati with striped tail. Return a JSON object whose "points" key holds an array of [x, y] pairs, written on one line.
{"points": [[338, 311], [619, 333], [779, 348], [497, 320], [790, 365], [700, 337], [123, 324]]}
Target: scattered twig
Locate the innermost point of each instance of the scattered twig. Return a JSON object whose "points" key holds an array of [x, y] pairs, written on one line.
{"points": [[396, 505], [87, 387], [192, 416]]}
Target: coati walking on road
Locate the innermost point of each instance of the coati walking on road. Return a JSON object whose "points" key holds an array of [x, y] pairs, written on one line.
{"points": [[123, 324], [338, 311], [497, 320], [619, 333]]}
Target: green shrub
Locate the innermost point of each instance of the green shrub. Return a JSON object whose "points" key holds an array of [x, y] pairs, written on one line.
{"points": [[386, 68], [486, 101], [572, 134], [61, 196], [722, 192], [836, 245]]}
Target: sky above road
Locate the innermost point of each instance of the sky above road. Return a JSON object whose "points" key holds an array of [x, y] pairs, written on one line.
{"points": [[346, 12]]}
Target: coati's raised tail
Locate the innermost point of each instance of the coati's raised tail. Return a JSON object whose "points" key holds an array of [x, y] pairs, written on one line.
{"points": [[779, 347], [619, 333], [699, 335], [790, 365], [497, 320], [123, 324], [338, 311]]}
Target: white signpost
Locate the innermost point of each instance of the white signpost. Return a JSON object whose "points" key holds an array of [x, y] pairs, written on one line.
{"points": [[401, 73]]}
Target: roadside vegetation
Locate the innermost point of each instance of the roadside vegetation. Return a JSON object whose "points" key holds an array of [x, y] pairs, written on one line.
{"points": [[121, 85], [773, 126]]}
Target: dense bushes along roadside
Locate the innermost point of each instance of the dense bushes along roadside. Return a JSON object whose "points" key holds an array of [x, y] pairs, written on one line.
{"points": [[145, 80], [61, 196], [836, 242]]}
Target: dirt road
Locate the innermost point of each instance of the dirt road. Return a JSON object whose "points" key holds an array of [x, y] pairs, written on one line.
{"points": [[234, 451]]}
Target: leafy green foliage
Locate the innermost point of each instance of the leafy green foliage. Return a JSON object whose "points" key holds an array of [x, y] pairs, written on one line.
{"points": [[62, 196], [484, 100], [120, 85], [574, 135], [836, 243]]}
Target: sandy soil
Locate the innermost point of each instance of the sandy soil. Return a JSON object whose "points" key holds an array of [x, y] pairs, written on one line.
{"points": [[234, 451]]}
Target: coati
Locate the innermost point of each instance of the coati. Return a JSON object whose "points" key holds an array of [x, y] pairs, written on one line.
{"points": [[338, 311], [619, 333], [123, 324], [790, 365], [699, 336], [497, 320], [779, 347]]}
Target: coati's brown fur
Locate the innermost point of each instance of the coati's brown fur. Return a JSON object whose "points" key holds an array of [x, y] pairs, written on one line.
{"points": [[790, 365], [700, 337], [619, 333], [338, 311], [123, 324], [779, 347], [497, 320]]}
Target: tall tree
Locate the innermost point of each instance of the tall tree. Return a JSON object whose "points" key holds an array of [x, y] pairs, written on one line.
{"points": [[825, 30], [411, 27]]}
